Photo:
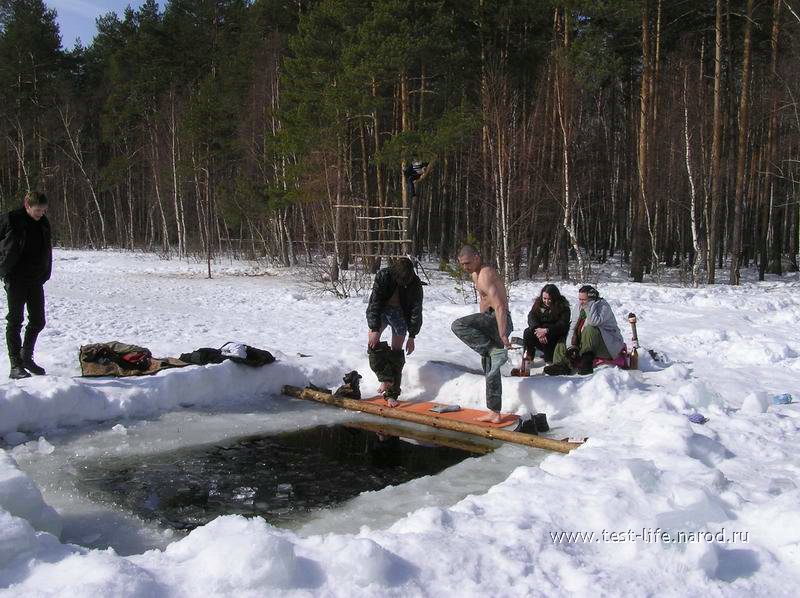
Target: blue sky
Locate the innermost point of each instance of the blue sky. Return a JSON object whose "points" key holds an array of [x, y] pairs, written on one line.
{"points": [[76, 18]]}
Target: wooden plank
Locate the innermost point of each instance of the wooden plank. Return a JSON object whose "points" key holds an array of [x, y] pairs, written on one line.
{"points": [[464, 415], [388, 429], [560, 446]]}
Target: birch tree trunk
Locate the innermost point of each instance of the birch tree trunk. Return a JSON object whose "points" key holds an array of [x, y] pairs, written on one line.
{"points": [[692, 193]]}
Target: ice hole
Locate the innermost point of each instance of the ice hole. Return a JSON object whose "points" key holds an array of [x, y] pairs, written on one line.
{"points": [[111, 484], [280, 477]]}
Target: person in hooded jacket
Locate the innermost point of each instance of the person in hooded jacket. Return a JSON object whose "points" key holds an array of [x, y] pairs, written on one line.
{"points": [[395, 302], [26, 262], [548, 323], [594, 333]]}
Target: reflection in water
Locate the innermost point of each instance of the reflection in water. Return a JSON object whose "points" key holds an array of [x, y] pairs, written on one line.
{"points": [[278, 477]]}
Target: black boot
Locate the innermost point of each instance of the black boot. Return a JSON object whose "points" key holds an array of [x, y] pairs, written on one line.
{"points": [[26, 353], [527, 426], [17, 371], [558, 369], [29, 364], [585, 364], [540, 419]]}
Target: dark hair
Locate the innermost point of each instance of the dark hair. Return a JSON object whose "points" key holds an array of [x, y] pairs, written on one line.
{"points": [[558, 304], [402, 270], [551, 290], [590, 291], [34, 198]]}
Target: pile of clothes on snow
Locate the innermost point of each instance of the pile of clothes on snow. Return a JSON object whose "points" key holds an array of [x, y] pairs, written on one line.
{"points": [[124, 359]]}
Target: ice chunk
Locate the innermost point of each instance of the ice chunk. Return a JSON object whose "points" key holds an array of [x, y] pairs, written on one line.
{"points": [[755, 402], [43, 447]]}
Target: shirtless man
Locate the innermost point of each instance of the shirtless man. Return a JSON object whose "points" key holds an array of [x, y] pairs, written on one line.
{"points": [[487, 332]]}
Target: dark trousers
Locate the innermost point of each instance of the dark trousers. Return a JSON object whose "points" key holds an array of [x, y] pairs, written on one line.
{"points": [[19, 294], [532, 343]]}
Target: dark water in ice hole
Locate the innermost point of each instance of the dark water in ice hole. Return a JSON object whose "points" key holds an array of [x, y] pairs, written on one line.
{"points": [[277, 477]]}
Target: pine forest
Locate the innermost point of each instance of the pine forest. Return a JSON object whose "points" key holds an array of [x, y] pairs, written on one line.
{"points": [[554, 134]]}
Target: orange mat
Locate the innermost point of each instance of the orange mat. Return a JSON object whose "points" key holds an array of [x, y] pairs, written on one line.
{"points": [[467, 416]]}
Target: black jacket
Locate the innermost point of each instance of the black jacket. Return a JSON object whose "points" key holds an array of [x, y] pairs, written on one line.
{"points": [[410, 301], [555, 318], [12, 243]]}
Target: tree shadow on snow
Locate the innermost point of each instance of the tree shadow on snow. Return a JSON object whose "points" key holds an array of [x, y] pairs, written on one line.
{"points": [[455, 368]]}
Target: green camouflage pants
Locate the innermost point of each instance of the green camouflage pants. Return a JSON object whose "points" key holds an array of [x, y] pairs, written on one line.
{"points": [[479, 332], [388, 367], [590, 339]]}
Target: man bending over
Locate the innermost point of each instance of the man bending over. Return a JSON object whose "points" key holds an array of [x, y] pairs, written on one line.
{"points": [[396, 302]]}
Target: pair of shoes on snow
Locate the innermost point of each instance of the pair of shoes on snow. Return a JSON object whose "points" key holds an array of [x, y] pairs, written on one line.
{"points": [[25, 369], [535, 425], [584, 365]]}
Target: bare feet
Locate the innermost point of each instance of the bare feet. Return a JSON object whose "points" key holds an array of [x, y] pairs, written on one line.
{"points": [[385, 386], [492, 417]]}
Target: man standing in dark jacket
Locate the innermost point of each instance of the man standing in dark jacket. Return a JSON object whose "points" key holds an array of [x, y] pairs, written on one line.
{"points": [[396, 301], [26, 261]]}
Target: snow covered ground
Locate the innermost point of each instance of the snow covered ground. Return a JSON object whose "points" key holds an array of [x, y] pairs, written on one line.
{"points": [[647, 477]]}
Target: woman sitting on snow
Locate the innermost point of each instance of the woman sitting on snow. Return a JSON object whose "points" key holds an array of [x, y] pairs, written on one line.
{"points": [[548, 323], [594, 334]]}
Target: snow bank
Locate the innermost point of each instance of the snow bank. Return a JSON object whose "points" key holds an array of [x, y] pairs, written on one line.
{"points": [[20, 497], [664, 506], [51, 402]]}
